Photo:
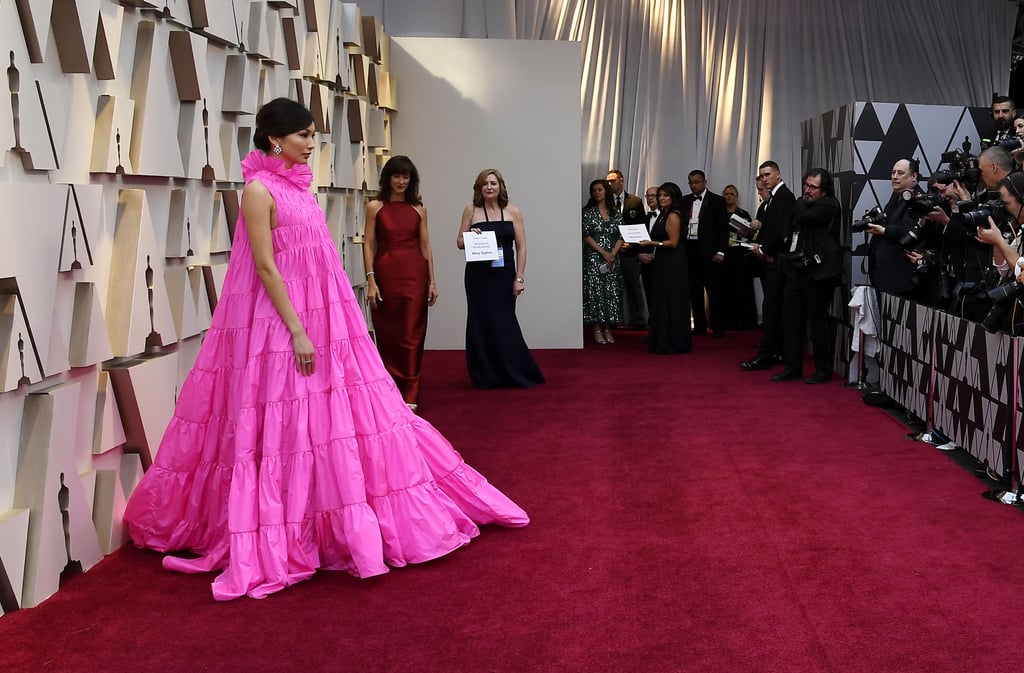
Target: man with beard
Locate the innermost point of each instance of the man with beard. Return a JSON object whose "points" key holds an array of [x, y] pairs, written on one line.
{"points": [[814, 267], [1003, 113]]}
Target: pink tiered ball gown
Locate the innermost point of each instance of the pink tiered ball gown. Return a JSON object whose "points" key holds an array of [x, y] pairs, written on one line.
{"points": [[268, 475]]}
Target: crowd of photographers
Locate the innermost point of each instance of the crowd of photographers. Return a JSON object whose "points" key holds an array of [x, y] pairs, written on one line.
{"points": [[957, 246]]}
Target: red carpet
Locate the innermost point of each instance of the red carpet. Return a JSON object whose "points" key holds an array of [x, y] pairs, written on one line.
{"points": [[687, 516]]}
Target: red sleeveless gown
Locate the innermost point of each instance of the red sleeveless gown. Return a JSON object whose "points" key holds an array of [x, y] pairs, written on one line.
{"points": [[400, 321]]}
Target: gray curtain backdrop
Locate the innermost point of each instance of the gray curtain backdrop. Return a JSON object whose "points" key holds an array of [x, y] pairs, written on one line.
{"points": [[672, 85]]}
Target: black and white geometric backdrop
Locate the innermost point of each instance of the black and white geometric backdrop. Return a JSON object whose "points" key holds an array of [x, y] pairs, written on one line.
{"points": [[859, 143]]}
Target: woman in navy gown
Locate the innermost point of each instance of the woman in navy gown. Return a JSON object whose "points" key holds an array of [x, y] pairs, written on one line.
{"points": [[670, 313], [496, 353]]}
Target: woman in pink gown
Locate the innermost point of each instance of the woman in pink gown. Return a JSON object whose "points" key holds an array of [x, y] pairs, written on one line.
{"points": [[290, 448]]}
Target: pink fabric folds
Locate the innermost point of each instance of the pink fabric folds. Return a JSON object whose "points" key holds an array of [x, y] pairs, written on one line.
{"points": [[269, 475]]}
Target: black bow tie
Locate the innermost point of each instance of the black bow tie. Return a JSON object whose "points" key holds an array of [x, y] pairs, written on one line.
{"points": [[697, 197]]}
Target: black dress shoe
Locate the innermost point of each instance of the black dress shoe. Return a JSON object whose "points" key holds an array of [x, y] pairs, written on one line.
{"points": [[819, 376], [776, 359], [756, 364], [787, 374]]}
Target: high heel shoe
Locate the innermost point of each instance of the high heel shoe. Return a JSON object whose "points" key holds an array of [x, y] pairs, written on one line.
{"points": [[608, 336], [598, 336]]}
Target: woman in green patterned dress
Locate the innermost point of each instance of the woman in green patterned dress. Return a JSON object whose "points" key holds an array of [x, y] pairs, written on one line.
{"points": [[602, 275]]}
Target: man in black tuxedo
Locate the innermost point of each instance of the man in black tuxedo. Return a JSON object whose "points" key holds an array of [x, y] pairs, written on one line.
{"points": [[772, 226], [706, 232], [632, 209], [814, 267]]}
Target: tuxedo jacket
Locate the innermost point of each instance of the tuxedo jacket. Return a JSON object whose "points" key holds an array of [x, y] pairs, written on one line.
{"points": [[712, 224], [775, 220], [814, 225]]}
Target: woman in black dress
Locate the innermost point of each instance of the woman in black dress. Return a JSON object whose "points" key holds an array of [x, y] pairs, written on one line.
{"points": [[496, 354], [670, 312]]}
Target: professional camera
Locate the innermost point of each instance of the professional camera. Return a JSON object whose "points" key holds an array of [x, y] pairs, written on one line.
{"points": [[1003, 298], [800, 261], [963, 167], [874, 216], [1010, 144], [919, 204], [976, 214], [929, 260]]}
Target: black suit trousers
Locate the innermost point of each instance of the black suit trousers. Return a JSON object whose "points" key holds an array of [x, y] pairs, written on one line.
{"points": [[705, 275], [772, 284], [805, 309], [647, 276], [633, 293]]}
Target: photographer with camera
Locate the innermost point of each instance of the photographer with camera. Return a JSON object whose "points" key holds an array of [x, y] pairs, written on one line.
{"points": [[814, 267], [889, 266], [955, 269], [1004, 219]]}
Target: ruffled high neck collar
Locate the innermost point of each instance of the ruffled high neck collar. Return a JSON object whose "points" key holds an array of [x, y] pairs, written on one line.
{"points": [[257, 162]]}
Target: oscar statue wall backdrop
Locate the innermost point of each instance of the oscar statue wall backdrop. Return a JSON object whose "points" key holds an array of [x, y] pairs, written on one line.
{"points": [[120, 140], [859, 143]]}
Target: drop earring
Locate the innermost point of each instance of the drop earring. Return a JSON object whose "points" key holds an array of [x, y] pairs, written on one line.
{"points": [[278, 150]]}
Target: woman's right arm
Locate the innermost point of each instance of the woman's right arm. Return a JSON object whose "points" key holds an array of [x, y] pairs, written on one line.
{"points": [[592, 243], [467, 221], [370, 252], [258, 211]]}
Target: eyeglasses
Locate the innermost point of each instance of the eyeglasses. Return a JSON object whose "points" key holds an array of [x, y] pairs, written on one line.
{"points": [[808, 185]]}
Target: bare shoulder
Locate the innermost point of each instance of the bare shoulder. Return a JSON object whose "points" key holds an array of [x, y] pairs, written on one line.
{"points": [[468, 210], [421, 209], [513, 210], [256, 190], [373, 206], [256, 197]]}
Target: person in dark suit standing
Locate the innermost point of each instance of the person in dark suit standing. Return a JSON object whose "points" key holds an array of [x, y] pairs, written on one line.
{"points": [[632, 209], [889, 266], [772, 226], [707, 237], [647, 258], [814, 266]]}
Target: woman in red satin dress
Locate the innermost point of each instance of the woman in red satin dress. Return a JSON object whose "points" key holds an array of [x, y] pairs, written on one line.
{"points": [[399, 273]]}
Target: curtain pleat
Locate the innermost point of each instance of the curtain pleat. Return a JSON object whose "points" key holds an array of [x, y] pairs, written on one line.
{"points": [[672, 85]]}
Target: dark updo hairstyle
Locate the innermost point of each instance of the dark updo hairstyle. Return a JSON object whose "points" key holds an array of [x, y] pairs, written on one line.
{"points": [[278, 118], [400, 165]]}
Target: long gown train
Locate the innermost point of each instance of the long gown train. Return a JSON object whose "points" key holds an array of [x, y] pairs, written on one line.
{"points": [[268, 474]]}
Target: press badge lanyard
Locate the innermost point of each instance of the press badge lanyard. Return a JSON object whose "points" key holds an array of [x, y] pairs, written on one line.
{"points": [[501, 249]]}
